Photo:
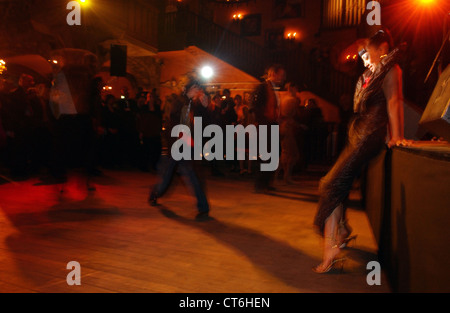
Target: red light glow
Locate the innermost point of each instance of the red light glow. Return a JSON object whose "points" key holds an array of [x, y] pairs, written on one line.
{"points": [[420, 20]]}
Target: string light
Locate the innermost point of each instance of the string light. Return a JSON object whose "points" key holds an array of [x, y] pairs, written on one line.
{"points": [[291, 36], [2, 66], [237, 16]]}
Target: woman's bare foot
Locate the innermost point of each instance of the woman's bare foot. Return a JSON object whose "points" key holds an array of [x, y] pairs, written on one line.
{"points": [[330, 253], [331, 242]]}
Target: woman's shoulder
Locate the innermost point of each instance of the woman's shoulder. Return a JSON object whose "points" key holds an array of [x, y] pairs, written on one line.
{"points": [[395, 70], [394, 74]]}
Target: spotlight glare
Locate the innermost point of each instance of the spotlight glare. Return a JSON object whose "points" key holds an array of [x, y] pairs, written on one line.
{"points": [[207, 72]]}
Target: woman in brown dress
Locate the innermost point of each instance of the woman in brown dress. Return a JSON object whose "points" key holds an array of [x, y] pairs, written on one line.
{"points": [[378, 106]]}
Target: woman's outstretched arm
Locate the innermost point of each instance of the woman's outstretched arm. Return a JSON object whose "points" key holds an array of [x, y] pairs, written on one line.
{"points": [[392, 88]]}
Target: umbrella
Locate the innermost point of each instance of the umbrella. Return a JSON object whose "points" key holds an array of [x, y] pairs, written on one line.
{"points": [[31, 64], [74, 57]]}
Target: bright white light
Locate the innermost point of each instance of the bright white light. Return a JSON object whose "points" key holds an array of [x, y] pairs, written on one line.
{"points": [[207, 72]]}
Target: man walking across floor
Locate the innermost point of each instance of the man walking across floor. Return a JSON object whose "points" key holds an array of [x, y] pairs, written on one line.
{"points": [[181, 110]]}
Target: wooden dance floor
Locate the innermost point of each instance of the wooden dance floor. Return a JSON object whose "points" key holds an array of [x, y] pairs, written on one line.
{"points": [[256, 243]]}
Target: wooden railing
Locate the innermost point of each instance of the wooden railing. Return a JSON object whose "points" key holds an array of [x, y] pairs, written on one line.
{"points": [[342, 13]]}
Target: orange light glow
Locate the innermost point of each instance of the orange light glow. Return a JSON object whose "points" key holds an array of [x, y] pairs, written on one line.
{"points": [[291, 35], [426, 1], [237, 16], [2, 66]]}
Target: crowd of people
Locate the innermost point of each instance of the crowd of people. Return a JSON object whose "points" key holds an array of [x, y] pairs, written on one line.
{"points": [[131, 131], [36, 134], [39, 136], [26, 124]]}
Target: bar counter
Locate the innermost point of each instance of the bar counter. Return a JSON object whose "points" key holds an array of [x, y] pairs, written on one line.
{"points": [[407, 200]]}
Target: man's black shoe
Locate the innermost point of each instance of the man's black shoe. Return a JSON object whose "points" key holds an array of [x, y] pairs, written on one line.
{"points": [[265, 191], [152, 200], [202, 217]]}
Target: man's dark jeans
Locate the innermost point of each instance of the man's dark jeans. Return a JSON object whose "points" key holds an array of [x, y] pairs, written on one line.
{"points": [[167, 169]]}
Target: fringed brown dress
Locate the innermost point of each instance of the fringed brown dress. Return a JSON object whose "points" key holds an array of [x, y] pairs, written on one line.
{"points": [[366, 137]]}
